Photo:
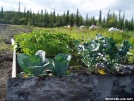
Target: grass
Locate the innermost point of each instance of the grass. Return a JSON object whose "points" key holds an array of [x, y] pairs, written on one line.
{"points": [[85, 34], [5, 47]]}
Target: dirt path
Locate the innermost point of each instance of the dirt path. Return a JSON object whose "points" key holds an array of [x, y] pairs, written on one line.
{"points": [[5, 67], [6, 33]]}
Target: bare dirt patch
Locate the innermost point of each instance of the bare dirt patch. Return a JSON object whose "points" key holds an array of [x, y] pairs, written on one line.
{"points": [[6, 33]]}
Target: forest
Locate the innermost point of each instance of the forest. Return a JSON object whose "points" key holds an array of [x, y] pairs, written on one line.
{"points": [[45, 19]]}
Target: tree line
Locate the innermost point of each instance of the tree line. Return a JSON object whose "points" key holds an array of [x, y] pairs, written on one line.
{"points": [[45, 19]]}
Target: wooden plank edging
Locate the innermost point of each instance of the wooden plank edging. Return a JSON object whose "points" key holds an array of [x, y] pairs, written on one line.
{"points": [[14, 58]]}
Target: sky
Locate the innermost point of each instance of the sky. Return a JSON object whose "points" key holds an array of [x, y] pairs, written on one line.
{"points": [[90, 7]]}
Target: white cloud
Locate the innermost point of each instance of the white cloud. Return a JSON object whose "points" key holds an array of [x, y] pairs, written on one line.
{"points": [[95, 4]]}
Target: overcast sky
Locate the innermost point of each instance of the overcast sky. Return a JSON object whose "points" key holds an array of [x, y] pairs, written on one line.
{"points": [[90, 7]]}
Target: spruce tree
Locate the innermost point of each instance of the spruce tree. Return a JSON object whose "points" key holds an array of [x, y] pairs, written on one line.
{"points": [[67, 18], [72, 19], [2, 14], [100, 17], [86, 20], [77, 17]]}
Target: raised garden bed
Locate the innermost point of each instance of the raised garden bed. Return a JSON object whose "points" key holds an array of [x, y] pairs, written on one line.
{"points": [[69, 88]]}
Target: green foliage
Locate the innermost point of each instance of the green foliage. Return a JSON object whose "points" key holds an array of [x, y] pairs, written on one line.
{"points": [[32, 64], [35, 64], [52, 43], [103, 50], [60, 64]]}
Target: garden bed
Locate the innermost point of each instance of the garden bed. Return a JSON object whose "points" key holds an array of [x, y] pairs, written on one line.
{"points": [[70, 88], [103, 77]]}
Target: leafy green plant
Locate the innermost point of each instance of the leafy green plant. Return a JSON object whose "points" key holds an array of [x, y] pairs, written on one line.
{"points": [[52, 43], [33, 64], [36, 64], [60, 64], [103, 50]]}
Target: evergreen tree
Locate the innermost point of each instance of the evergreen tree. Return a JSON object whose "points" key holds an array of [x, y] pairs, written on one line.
{"points": [[47, 19], [108, 18], [123, 19], [103, 22], [51, 17], [132, 24], [2, 14], [93, 21], [100, 17], [77, 17], [63, 18], [61, 21], [86, 19], [113, 20], [54, 17], [33, 19], [72, 20], [57, 23], [119, 21], [126, 24], [45, 16], [81, 22], [67, 18], [28, 17]]}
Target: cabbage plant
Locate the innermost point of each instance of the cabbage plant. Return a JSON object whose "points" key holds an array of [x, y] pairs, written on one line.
{"points": [[60, 64], [33, 64], [36, 64]]}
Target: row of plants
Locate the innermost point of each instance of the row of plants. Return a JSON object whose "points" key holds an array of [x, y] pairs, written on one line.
{"points": [[52, 43], [39, 65], [101, 54]]}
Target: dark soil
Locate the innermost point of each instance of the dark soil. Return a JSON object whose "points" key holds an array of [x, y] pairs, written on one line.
{"points": [[6, 33]]}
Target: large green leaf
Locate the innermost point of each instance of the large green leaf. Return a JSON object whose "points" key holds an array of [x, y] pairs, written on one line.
{"points": [[31, 63]]}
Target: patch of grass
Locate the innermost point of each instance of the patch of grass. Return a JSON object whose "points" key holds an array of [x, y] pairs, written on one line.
{"points": [[5, 47], [85, 34]]}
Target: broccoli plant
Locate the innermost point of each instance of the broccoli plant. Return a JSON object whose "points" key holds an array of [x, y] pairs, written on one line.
{"points": [[102, 50]]}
